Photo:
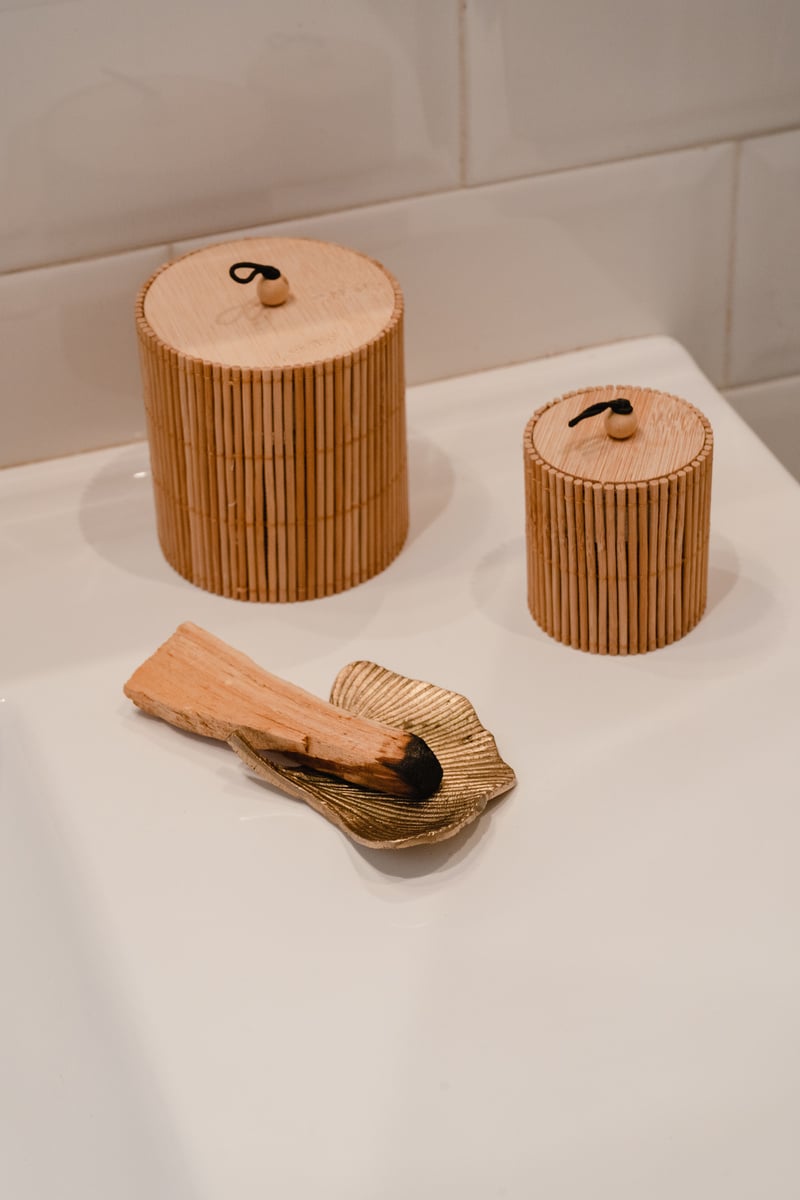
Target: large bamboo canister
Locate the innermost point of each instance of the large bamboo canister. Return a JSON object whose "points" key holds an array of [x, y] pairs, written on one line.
{"points": [[618, 526], [277, 431]]}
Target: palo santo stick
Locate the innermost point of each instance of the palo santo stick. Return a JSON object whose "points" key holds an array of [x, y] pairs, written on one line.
{"points": [[199, 683]]}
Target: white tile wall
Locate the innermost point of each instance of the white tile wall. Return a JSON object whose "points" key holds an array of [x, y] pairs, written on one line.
{"points": [[765, 335], [513, 271], [137, 123], [395, 127], [772, 410], [561, 83], [69, 356]]}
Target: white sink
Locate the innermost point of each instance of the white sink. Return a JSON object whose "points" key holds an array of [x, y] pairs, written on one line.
{"points": [[80, 1112], [208, 992]]}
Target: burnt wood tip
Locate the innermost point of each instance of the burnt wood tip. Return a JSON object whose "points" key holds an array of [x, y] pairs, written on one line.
{"points": [[419, 772]]}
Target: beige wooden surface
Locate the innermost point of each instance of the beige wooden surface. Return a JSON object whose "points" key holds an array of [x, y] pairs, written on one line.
{"points": [[339, 300], [668, 436]]}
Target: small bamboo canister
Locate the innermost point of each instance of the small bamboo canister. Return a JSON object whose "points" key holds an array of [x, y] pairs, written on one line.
{"points": [[276, 416], [617, 518]]}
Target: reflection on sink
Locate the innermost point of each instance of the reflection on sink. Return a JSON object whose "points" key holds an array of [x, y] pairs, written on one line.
{"points": [[78, 1115]]}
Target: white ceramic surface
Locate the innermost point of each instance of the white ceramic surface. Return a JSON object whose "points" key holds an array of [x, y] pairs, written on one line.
{"points": [[72, 1066], [70, 367], [772, 409], [766, 297], [593, 993], [135, 124], [506, 273], [555, 85]]}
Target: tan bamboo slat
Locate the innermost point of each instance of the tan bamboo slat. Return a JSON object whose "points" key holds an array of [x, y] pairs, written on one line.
{"points": [[277, 434], [617, 531]]}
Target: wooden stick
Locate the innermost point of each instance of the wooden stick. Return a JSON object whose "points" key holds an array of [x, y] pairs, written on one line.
{"points": [[705, 527], [580, 539], [591, 566], [238, 471], [171, 457], [329, 510], [621, 552], [212, 464], [652, 561], [259, 384], [632, 518], [311, 435], [642, 490], [672, 555], [279, 478], [663, 509], [363, 466], [373, 451], [248, 467], [270, 500], [609, 504], [349, 472], [290, 469], [199, 474], [298, 388], [551, 555], [222, 449], [603, 631], [319, 502], [679, 555], [572, 564], [199, 683], [340, 503]]}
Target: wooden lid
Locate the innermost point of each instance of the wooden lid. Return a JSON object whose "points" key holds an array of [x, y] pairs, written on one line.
{"points": [[339, 301], [670, 435]]}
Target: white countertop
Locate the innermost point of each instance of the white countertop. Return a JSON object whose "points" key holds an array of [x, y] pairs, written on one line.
{"points": [[209, 992]]}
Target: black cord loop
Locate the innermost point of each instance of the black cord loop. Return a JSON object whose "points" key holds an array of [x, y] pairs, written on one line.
{"points": [[620, 405], [255, 269]]}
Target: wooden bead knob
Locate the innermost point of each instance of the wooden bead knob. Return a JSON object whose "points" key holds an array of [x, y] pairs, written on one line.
{"points": [[272, 287], [621, 420], [273, 291], [620, 425]]}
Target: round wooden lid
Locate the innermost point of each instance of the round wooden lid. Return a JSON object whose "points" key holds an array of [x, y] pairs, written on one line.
{"points": [[339, 301], [670, 434]]}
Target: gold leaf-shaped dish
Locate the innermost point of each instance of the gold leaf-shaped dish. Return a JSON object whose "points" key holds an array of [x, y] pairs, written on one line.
{"points": [[473, 771]]}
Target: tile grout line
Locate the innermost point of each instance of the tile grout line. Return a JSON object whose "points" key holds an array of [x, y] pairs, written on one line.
{"points": [[683, 148], [463, 94], [320, 214], [730, 389], [731, 274]]}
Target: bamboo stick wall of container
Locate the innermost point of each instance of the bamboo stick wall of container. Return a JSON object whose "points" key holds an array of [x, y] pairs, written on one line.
{"points": [[277, 434], [618, 530]]}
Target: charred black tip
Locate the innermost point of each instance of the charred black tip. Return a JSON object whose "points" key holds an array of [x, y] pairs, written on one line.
{"points": [[420, 770]]}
